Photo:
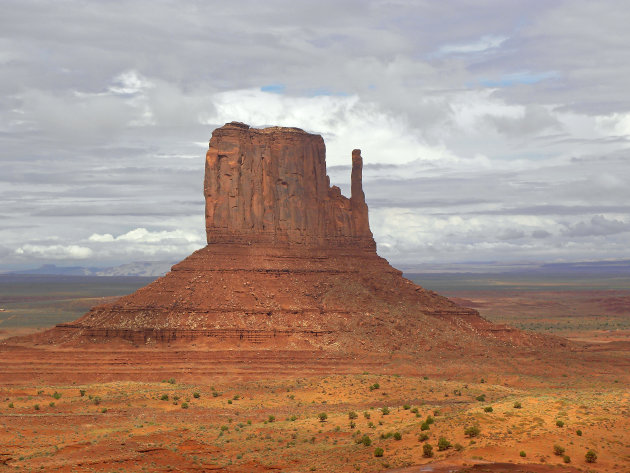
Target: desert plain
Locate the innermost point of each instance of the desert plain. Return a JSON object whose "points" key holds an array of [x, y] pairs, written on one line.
{"points": [[115, 407]]}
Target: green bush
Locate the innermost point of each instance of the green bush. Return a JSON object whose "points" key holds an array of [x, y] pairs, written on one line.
{"points": [[472, 431], [36, 407], [57, 395], [430, 420], [385, 411], [591, 456], [272, 418], [414, 410], [423, 437], [164, 397], [171, 381], [82, 392], [458, 446], [558, 450], [578, 432], [378, 452], [481, 398], [366, 414], [352, 415], [523, 454], [366, 440], [406, 407], [322, 416], [184, 405], [443, 444], [397, 436], [488, 409], [375, 386], [560, 423], [517, 405], [427, 450], [425, 426], [196, 395], [566, 459]]}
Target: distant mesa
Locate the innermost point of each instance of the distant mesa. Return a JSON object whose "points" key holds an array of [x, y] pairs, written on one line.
{"points": [[290, 263]]}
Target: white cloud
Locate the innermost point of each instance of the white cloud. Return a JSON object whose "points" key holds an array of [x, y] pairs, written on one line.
{"points": [[482, 44], [142, 235], [56, 252]]}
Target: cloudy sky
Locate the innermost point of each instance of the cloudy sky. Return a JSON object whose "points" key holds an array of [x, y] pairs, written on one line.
{"points": [[491, 130]]}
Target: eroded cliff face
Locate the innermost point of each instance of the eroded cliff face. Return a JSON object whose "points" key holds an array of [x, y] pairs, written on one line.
{"points": [[270, 186]]}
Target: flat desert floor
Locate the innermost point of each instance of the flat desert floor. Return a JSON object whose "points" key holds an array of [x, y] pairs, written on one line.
{"points": [[119, 409]]}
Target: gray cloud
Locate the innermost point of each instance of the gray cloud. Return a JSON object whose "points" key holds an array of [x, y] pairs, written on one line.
{"points": [[494, 129]]}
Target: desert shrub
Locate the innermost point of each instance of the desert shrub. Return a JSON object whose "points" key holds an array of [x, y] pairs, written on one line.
{"points": [[385, 410], [36, 407], [517, 405], [366, 440], [472, 431], [196, 395], [578, 432], [406, 407], [386, 435], [366, 414], [352, 415], [171, 381], [414, 410], [175, 398], [458, 446], [164, 397], [374, 386], [11, 406], [397, 436], [378, 452], [184, 405], [104, 410], [427, 450], [229, 401], [293, 418], [488, 409], [591, 456], [57, 395], [352, 424], [481, 398], [558, 450], [430, 420], [82, 392], [560, 423], [236, 397], [96, 400], [566, 459], [322, 416], [482, 380], [271, 418], [523, 454], [425, 426], [443, 444], [371, 425], [423, 437], [51, 404]]}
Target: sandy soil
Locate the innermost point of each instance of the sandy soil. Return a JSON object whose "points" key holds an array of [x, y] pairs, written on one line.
{"points": [[257, 410]]}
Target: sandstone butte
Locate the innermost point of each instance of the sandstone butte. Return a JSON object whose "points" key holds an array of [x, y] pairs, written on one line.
{"points": [[290, 263]]}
